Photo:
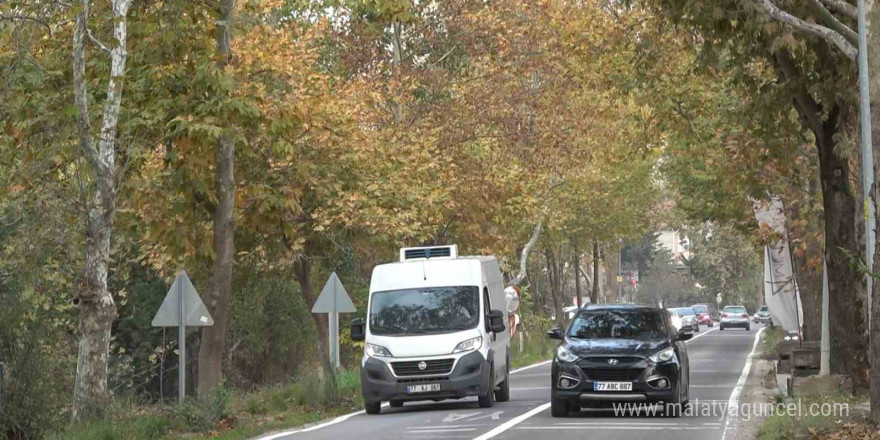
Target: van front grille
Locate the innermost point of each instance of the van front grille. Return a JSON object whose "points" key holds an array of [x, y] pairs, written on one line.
{"points": [[423, 379], [432, 367]]}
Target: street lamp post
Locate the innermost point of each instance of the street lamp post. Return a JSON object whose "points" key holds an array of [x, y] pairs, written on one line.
{"points": [[867, 155]]}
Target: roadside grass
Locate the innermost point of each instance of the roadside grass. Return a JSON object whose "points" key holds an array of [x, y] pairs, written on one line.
{"points": [[805, 425], [536, 347], [770, 342], [230, 415], [226, 415]]}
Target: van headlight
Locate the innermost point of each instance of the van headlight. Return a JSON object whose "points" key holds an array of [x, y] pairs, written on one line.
{"points": [[564, 355], [665, 355], [377, 351], [469, 345]]}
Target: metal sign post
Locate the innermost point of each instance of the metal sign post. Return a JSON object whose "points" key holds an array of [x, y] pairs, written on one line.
{"points": [[333, 301], [180, 308]]}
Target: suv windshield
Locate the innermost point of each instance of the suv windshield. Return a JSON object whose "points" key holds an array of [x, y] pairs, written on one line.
{"points": [[618, 324], [425, 311], [734, 310]]}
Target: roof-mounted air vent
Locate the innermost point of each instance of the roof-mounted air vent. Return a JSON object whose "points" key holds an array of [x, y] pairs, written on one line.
{"points": [[429, 252]]}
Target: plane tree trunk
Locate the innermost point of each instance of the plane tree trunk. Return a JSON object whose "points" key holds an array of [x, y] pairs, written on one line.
{"points": [[840, 203], [302, 268], [213, 339], [95, 304]]}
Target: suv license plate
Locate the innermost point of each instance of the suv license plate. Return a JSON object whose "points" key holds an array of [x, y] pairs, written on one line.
{"points": [[424, 388], [612, 386]]}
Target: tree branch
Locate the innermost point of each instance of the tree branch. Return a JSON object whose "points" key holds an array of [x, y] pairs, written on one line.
{"points": [[97, 42], [524, 256], [823, 32], [834, 23], [841, 6]]}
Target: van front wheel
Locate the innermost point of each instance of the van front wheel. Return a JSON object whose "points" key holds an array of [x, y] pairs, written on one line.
{"points": [[373, 407], [488, 400], [502, 394]]}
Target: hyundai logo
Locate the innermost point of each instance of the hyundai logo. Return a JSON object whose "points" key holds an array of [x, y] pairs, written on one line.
{"points": [[422, 365], [613, 361]]}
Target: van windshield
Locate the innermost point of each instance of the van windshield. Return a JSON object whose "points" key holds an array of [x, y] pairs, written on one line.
{"points": [[425, 311], [700, 309]]}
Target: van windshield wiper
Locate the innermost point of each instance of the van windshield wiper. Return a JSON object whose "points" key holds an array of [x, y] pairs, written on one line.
{"points": [[394, 328]]}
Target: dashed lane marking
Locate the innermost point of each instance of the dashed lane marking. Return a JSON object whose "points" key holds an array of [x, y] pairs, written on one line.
{"points": [[513, 422]]}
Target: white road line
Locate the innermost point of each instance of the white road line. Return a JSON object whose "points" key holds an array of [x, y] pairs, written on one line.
{"points": [[345, 417], [626, 424], [530, 366], [513, 422], [424, 431], [339, 419], [616, 428], [444, 426], [701, 335], [734, 395]]}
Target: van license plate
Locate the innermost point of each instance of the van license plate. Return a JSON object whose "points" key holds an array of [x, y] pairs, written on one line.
{"points": [[424, 388], [612, 386]]}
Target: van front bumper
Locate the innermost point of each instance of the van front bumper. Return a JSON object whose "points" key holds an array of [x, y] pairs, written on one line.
{"points": [[470, 377]]}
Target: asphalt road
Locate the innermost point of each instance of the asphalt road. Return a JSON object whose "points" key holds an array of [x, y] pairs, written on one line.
{"points": [[717, 363]]}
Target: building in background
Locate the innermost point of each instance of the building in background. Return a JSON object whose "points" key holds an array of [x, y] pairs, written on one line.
{"points": [[677, 244]]}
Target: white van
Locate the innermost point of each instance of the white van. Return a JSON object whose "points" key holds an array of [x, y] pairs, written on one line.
{"points": [[435, 330]]}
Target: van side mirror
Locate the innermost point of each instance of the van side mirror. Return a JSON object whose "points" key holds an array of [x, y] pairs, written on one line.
{"points": [[495, 321], [555, 333], [357, 329]]}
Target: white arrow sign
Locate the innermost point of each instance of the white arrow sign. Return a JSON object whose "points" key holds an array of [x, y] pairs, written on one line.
{"points": [[333, 301], [180, 308]]}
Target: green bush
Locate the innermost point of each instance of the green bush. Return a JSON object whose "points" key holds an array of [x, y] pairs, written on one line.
{"points": [[28, 375]]}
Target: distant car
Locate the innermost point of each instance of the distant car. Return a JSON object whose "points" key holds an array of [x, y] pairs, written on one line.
{"points": [[689, 319], [762, 316], [734, 316], [619, 353], [705, 314]]}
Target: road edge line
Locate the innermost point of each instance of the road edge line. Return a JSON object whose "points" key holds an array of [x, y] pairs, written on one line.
{"points": [[513, 422], [701, 334], [531, 366], [338, 419], [344, 417], [733, 402]]}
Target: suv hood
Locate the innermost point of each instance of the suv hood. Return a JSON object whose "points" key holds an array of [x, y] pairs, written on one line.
{"points": [[617, 347]]}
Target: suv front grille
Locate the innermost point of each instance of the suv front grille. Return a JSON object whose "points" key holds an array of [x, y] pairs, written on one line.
{"points": [[432, 367], [613, 375], [623, 360]]}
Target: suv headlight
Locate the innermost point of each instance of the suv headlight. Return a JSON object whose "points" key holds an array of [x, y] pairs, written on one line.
{"points": [[469, 345], [665, 355], [564, 355], [377, 351]]}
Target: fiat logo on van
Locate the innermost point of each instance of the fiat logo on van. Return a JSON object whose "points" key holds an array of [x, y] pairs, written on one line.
{"points": [[422, 365], [613, 361]]}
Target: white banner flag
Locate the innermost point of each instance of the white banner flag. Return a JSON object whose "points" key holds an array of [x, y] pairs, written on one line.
{"points": [[781, 292]]}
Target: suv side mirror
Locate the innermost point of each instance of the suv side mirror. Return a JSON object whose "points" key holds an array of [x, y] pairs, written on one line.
{"points": [[555, 333], [495, 321], [357, 329], [683, 336]]}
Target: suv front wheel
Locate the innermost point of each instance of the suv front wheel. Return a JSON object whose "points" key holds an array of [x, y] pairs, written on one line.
{"points": [[559, 408]]}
